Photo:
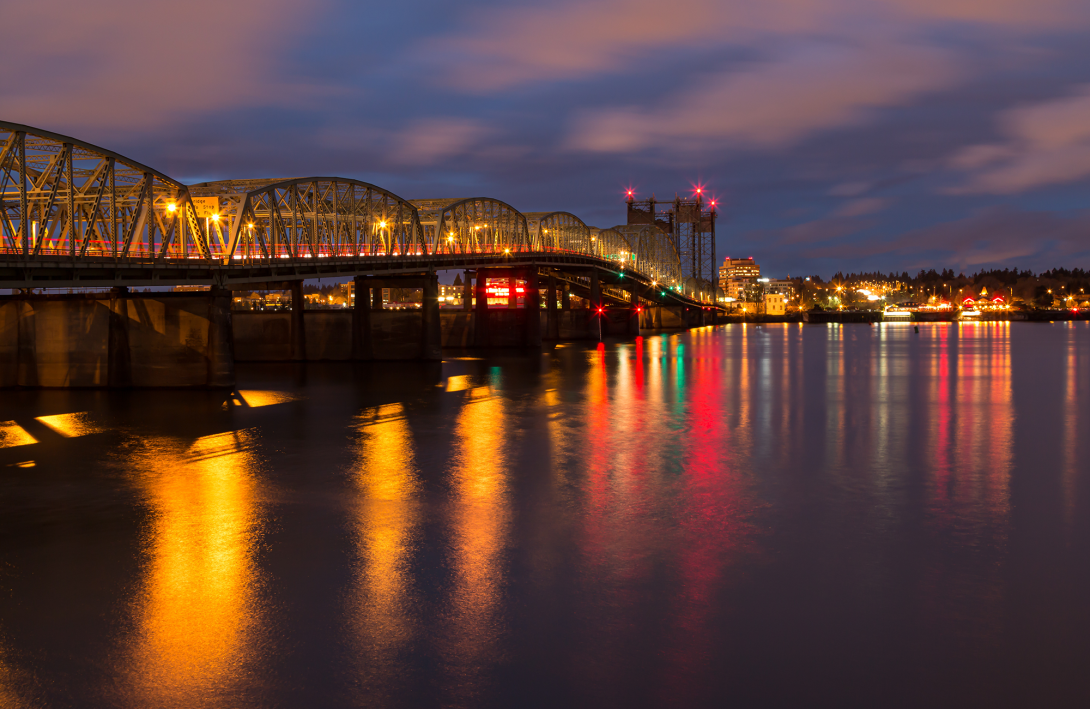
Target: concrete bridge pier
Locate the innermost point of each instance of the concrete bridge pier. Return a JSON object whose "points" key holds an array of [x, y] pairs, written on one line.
{"points": [[480, 319], [552, 322], [221, 351], [634, 291], [298, 324], [533, 308], [118, 358], [432, 330], [565, 296], [595, 291], [26, 373], [363, 347]]}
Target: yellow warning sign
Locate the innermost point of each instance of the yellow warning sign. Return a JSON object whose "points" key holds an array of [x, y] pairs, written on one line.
{"points": [[206, 206]]}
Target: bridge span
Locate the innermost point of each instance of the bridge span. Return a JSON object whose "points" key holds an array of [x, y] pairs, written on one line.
{"points": [[77, 216]]}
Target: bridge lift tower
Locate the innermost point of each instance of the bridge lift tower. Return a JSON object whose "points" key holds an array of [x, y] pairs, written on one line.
{"points": [[690, 223]]}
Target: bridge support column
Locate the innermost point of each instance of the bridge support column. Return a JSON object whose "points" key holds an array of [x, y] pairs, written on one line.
{"points": [[467, 292], [376, 299], [27, 355], [565, 296], [634, 315], [432, 331], [118, 355], [480, 314], [298, 327], [656, 318], [595, 291], [512, 292], [533, 309], [221, 351], [362, 345], [552, 322]]}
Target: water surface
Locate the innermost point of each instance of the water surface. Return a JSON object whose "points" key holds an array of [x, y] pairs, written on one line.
{"points": [[775, 516]]}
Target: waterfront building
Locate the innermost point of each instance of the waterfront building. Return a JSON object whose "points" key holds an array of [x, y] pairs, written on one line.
{"points": [[775, 304], [738, 277], [783, 286]]}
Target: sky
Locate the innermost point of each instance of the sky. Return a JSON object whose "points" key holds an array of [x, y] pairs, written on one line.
{"points": [[837, 135]]}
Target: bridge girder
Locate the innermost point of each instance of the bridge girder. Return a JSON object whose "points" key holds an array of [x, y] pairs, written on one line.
{"points": [[312, 217], [477, 225], [60, 196]]}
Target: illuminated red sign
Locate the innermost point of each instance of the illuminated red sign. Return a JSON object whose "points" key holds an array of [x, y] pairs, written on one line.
{"points": [[504, 291]]}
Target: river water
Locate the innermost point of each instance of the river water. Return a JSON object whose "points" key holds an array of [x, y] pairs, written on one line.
{"points": [[783, 515]]}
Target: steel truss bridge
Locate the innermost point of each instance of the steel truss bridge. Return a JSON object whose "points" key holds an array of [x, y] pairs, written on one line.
{"points": [[74, 215]]}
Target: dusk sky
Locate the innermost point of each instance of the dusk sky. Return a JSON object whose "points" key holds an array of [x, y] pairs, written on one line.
{"points": [[837, 134]]}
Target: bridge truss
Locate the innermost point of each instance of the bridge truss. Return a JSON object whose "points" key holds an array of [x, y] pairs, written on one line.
{"points": [[313, 217], [63, 197], [478, 225], [74, 214]]}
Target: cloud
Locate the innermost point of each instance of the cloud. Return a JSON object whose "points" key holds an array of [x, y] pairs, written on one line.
{"points": [[1045, 144], [119, 65], [433, 140], [775, 103], [849, 189], [993, 237], [499, 48], [861, 207]]}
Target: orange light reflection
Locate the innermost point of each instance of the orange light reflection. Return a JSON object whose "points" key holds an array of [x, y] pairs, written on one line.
{"points": [[196, 614], [388, 523]]}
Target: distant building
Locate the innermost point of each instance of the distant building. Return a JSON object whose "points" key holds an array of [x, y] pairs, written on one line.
{"points": [[451, 295], [736, 275], [783, 286], [775, 304]]}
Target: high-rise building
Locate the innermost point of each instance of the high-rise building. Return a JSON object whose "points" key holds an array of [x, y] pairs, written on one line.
{"points": [[736, 274]]}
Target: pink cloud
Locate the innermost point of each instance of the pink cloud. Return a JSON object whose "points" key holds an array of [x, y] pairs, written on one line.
{"points": [[861, 207], [500, 48], [1046, 144], [774, 104], [121, 65], [433, 140], [993, 236]]}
